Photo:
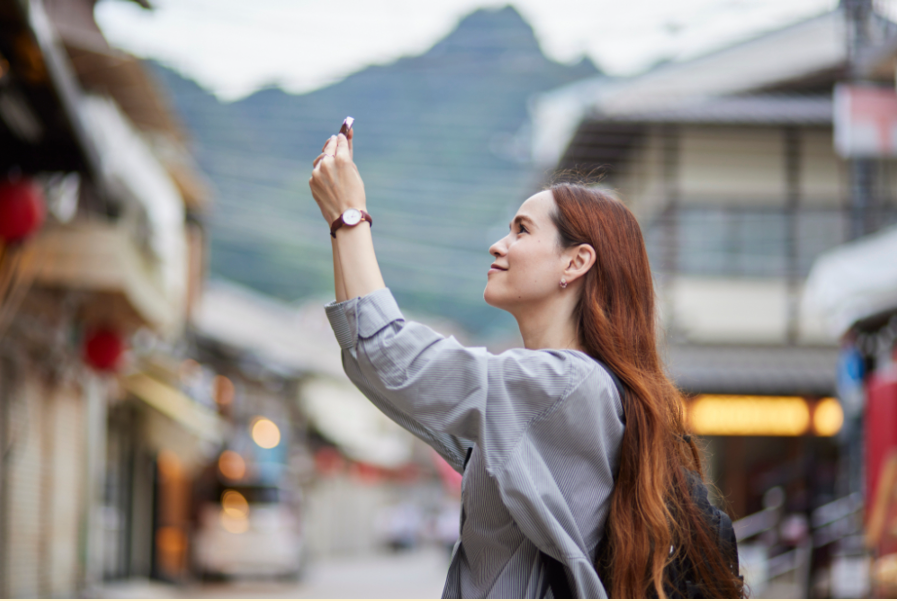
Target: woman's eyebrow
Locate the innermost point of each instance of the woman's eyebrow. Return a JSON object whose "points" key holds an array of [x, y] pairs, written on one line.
{"points": [[522, 219]]}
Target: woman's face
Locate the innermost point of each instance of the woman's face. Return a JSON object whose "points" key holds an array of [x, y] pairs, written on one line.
{"points": [[528, 264]]}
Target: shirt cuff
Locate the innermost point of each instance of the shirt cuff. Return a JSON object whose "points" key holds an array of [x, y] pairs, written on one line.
{"points": [[338, 315], [362, 316]]}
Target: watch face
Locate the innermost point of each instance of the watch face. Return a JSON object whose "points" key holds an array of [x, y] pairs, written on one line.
{"points": [[352, 217]]}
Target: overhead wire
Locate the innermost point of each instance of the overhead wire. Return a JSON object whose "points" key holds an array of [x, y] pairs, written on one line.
{"points": [[427, 234]]}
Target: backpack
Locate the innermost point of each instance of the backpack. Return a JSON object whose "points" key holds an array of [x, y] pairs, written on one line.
{"points": [[679, 573]]}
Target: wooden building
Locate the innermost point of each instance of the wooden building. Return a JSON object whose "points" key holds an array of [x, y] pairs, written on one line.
{"points": [[728, 161], [98, 441]]}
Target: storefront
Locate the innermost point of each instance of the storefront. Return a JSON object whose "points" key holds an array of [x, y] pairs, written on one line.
{"points": [[768, 424], [854, 288]]}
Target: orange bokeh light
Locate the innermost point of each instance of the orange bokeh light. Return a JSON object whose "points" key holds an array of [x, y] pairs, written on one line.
{"points": [[265, 433], [231, 465], [234, 504]]}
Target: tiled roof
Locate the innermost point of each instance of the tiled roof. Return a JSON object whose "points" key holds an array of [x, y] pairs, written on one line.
{"points": [[812, 50], [768, 109]]}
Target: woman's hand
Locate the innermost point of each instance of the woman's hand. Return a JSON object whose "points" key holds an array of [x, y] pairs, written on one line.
{"points": [[335, 182], [337, 186]]}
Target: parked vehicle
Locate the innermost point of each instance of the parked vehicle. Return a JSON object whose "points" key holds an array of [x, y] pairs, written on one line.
{"points": [[249, 530]]}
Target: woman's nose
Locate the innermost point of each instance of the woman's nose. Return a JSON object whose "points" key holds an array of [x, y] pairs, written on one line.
{"points": [[497, 249]]}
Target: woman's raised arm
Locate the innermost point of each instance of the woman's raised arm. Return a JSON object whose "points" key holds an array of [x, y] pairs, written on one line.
{"points": [[336, 186]]}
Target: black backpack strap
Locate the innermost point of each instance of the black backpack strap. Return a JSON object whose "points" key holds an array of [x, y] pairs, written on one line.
{"points": [[617, 382], [467, 458], [728, 542], [556, 577], [621, 390]]}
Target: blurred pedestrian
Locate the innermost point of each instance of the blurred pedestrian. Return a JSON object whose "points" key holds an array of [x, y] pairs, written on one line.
{"points": [[400, 526], [553, 459]]}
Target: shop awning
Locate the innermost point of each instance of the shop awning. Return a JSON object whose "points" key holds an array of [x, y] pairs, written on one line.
{"points": [[754, 370], [342, 414], [854, 281], [278, 334], [198, 420]]}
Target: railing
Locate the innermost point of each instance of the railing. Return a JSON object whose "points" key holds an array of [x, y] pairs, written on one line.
{"points": [[756, 523], [761, 532], [748, 241], [837, 520]]}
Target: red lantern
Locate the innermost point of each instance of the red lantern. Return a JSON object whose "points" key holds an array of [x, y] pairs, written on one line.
{"points": [[103, 348], [22, 209]]}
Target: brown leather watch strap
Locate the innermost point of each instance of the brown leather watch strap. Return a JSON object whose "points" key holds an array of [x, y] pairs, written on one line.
{"points": [[365, 216]]}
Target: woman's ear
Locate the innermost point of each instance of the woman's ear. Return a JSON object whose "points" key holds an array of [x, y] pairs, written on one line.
{"points": [[580, 260]]}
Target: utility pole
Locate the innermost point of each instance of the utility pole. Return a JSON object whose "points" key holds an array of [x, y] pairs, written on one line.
{"points": [[792, 143], [858, 16]]}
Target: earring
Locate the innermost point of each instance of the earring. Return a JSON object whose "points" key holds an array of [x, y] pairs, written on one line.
{"points": [[563, 283]]}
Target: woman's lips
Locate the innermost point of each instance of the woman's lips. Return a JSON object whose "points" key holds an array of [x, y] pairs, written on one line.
{"points": [[494, 267]]}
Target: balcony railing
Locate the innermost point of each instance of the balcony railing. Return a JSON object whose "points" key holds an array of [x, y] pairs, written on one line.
{"points": [[748, 242]]}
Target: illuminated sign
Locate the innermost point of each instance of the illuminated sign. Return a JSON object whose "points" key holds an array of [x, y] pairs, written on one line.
{"points": [[827, 417], [738, 415]]}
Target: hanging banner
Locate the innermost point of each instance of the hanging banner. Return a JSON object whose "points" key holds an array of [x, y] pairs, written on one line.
{"points": [[865, 121]]}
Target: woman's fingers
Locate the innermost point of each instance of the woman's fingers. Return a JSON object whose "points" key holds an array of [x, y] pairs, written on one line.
{"points": [[343, 150], [329, 150], [350, 136], [330, 146], [319, 158]]}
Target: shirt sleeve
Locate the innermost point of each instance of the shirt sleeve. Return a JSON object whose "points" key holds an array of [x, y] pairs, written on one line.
{"points": [[443, 387], [342, 319]]}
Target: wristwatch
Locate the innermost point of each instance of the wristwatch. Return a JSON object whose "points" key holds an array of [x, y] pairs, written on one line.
{"points": [[350, 218]]}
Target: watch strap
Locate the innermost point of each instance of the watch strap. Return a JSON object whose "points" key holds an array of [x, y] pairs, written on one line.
{"points": [[338, 223]]}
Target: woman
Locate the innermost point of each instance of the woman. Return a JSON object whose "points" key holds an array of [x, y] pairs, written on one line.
{"points": [[553, 458]]}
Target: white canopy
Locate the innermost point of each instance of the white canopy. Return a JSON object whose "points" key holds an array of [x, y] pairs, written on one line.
{"points": [[347, 418], [854, 281]]}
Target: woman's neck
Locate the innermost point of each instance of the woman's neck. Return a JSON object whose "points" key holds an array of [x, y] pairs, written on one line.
{"points": [[550, 327]]}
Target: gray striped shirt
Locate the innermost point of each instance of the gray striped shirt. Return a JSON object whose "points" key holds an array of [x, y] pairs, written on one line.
{"points": [[545, 428]]}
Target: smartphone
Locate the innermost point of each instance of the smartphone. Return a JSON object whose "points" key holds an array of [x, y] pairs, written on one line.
{"points": [[347, 125]]}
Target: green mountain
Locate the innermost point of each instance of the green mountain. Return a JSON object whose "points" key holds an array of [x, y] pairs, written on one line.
{"points": [[440, 141]]}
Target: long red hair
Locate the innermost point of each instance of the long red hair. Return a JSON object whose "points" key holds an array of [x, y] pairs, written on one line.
{"points": [[651, 506]]}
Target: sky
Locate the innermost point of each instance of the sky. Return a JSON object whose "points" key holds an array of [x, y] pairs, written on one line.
{"points": [[234, 47]]}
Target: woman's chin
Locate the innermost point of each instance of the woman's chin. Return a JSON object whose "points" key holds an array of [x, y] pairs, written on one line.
{"points": [[490, 298], [495, 299]]}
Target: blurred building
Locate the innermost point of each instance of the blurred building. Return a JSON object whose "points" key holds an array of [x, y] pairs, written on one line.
{"points": [[351, 463], [248, 503], [728, 161], [101, 259], [854, 289]]}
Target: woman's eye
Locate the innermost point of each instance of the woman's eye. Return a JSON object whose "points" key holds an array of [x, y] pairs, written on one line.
{"points": [[521, 230]]}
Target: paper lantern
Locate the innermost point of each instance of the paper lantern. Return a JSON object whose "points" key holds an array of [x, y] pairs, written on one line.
{"points": [[22, 209], [103, 348]]}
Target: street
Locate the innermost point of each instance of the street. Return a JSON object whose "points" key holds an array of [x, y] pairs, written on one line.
{"points": [[411, 575], [183, 414]]}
